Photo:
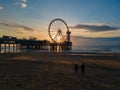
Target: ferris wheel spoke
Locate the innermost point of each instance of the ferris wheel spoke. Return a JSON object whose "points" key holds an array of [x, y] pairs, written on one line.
{"points": [[55, 36], [63, 28], [58, 23], [53, 31], [62, 35], [61, 24], [53, 27], [56, 27]]}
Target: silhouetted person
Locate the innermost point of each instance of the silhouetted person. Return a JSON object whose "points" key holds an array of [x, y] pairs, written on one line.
{"points": [[45, 53], [82, 68], [115, 55], [76, 68]]}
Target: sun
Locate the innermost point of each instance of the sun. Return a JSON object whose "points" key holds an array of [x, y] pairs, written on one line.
{"points": [[59, 39]]}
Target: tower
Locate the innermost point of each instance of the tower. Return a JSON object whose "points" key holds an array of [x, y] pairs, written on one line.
{"points": [[68, 35]]}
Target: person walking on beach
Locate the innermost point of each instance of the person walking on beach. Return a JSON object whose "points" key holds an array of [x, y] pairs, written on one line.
{"points": [[82, 68], [76, 68], [45, 53]]}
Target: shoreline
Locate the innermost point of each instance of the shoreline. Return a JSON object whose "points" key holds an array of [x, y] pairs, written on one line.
{"points": [[64, 53]]}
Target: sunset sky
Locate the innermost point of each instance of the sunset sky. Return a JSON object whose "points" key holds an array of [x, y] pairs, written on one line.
{"points": [[86, 18]]}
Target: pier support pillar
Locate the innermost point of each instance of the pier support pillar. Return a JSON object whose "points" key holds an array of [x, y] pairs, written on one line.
{"points": [[0, 47], [13, 47], [5, 48], [9, 47]]}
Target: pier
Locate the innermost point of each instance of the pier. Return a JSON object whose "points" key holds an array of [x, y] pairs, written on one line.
{"points": [[6, 42]]}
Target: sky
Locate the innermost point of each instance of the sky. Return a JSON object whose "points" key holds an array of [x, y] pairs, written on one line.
{"points": [[85, 18]]}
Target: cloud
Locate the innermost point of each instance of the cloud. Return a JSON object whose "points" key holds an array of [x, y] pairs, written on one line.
{"points": [[97, 38], [14, 25], [1, 8], [16, 3], [89, 41], [23, 5], [24, 0], [95, 28]]}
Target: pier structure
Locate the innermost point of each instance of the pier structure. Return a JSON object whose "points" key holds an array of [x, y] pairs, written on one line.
{"points": [[34, 44], [10, 44], [6, 42]]}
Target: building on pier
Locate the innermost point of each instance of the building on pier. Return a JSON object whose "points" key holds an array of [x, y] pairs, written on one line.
{"points": [[6, 42]]}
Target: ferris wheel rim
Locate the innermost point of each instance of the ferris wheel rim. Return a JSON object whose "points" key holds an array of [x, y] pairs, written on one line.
{"points": [[49, 28]]}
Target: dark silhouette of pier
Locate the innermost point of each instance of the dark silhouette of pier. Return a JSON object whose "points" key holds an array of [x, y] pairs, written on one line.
{"points": [[31, 44]]}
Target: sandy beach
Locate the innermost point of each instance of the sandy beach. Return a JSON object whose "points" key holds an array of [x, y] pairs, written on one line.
{"points": [[55, 71]]}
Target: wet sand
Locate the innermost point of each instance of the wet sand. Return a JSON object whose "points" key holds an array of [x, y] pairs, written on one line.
{"points": [[54, 71]]}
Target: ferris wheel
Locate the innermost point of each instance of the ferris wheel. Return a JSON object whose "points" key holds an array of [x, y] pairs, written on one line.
{"points": [[58, 30]]}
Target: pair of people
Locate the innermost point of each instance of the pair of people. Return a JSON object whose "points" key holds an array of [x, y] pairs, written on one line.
{"points": [[82, 68]]}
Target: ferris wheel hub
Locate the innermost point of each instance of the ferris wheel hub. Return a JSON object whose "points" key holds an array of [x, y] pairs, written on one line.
{"points": [[59, 31]]}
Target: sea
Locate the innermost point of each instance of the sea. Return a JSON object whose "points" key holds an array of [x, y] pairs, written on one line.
{"points": [[92, 49], [97, 49]]}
